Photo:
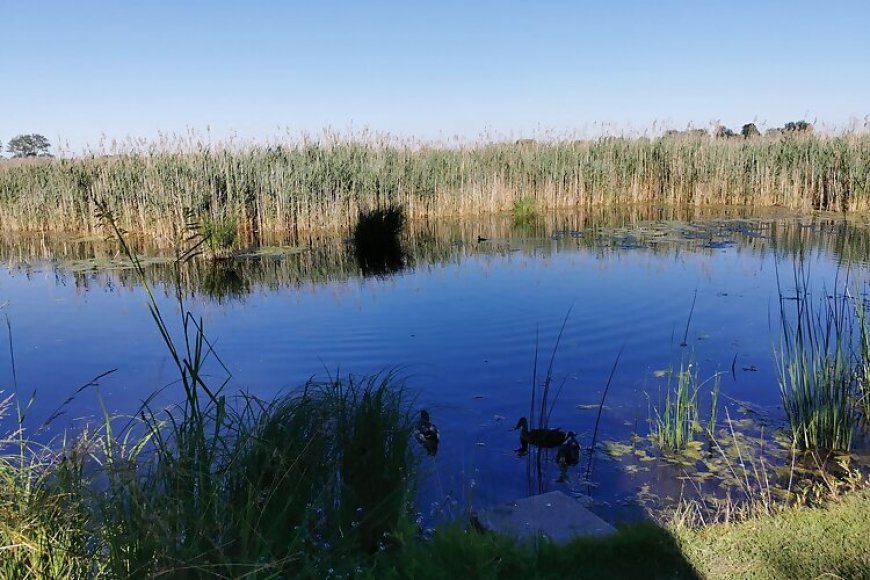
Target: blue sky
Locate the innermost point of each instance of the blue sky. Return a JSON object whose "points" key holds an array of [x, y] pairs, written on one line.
{"points": [[78, 71]]}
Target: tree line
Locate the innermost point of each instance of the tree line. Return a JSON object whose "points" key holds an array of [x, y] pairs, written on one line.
{"points": [[29, 145], [748, 131], [35, 145]]}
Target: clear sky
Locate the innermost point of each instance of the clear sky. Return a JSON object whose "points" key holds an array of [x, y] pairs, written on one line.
{"points": [[75, 71]]}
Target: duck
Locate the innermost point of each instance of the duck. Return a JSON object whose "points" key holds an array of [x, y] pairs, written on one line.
{"points": [[427, 433], [544, 438], [568, 454]]}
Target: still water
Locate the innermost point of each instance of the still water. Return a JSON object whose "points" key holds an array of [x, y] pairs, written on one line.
{"points": [[463, 322]]}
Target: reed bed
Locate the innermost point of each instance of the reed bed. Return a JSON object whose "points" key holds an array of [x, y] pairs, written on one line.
{"points": [[323, 186]]}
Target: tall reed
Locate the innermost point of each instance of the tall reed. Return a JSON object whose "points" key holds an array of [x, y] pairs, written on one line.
{"points": [[814, 360], [863, 378], [311, 186], [678, 421]]}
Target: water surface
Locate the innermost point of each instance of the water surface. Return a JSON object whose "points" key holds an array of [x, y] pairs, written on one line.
{"points": [[466, 322]]}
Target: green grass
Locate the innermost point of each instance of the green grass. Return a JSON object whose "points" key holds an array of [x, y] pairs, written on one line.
{"points": [[323, 185], [792, 543], [636, 551], [216, 486], [833, 541], [44, 527]]}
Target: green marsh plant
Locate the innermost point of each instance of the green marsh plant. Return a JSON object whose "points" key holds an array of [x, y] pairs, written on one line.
{"points": [[863, 377], [524, 210], [219, 235], [817, 378], [679, 420]]}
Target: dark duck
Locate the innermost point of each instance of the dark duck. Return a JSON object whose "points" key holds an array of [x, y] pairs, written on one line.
{"points": [[543, 438], [427, 433], [568, 454]]}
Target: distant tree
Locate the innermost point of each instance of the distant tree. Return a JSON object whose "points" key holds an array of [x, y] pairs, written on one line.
{"points": [[31, 145], [723, 132], [798, 127], [691, 133], [749, 130]]}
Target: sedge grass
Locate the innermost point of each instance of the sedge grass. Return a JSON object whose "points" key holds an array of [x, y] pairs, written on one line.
{"points": [[322, 185], [817, 379], [219, 236], [863, 375], [679, 419], [524, 210], [675, 425]]}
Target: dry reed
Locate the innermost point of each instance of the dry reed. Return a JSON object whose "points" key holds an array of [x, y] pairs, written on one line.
{"points": [[322, 186]]}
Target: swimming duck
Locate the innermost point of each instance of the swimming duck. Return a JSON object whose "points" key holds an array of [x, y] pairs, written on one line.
{"points": [[427, 433], [569, 451], [545, 438]]}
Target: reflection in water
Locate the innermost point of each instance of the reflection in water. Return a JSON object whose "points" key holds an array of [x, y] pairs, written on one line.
{"points": [[427, 433], [223, 280], [377, 242], [88, 262], [281, 263], [568, 455]]}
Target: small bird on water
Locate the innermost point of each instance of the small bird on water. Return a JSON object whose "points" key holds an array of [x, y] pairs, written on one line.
{"points": [[543, 438], [568, 454], [427, 433]]}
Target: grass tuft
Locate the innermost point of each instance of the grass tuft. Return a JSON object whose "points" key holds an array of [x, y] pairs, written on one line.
{"points": [[676, 424]]}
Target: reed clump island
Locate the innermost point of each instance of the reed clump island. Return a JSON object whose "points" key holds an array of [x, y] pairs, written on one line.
{"points": [[313, 185]]}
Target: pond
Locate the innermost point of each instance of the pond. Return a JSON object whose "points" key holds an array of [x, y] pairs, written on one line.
{"points": [[477, 311]]}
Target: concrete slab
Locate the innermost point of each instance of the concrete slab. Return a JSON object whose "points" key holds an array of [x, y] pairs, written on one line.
{"points": [[554, 515]]}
